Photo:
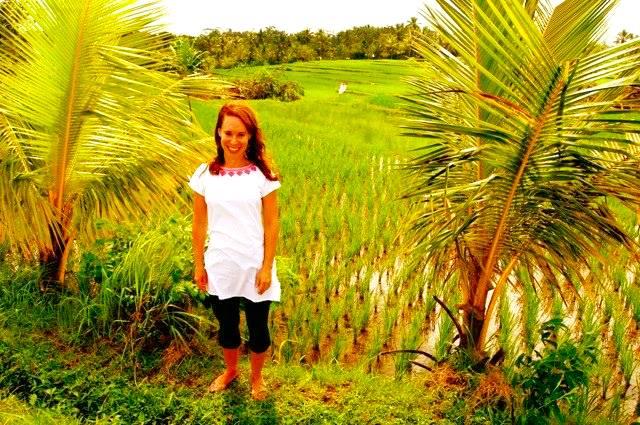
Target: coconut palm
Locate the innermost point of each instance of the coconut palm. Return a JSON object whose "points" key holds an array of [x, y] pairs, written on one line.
{"points": [[187, 59], [624, 36], [528, 136], [89, 126]]}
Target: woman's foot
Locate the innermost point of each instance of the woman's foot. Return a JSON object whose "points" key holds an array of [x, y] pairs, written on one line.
{"points": [[223, 381], [258, 389]]}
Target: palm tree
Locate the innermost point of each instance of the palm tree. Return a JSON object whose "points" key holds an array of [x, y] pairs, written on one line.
{"points": [[525, 147], [624, 36], [89, 126], [187, 58]]}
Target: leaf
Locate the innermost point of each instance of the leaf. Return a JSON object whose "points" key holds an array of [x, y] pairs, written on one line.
{"points": [[94, 128]]}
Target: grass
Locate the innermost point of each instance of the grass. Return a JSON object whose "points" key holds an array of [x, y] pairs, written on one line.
{"points": [[17, 412], [377, 82], [94, 384]]}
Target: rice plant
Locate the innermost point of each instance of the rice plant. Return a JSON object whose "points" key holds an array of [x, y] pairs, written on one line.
{"points": [[444, 340], [389, 318], [507, 336], [410, 340], [316, 325], [338, 348], [530, 311]]}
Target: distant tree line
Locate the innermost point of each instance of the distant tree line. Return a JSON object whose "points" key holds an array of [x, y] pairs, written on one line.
{"points": [[269, 46], [225, 49]]}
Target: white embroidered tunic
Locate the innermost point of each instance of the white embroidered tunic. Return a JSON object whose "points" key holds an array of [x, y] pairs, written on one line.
{"points": [[235, 231]]}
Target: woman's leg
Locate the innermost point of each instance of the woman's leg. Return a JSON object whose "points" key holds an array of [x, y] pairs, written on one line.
{"points": [[228, 314], [259, 342]]}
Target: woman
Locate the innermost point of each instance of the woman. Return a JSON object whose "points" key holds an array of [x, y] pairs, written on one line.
{"points": [[235, 205]]}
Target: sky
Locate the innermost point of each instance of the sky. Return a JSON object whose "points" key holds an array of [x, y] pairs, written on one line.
{"points": [[196, 16]]}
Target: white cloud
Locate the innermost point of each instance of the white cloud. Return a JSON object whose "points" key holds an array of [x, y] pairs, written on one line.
{"points": [[195, 16]]}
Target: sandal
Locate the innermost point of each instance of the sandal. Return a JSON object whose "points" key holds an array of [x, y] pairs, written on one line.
{"points": [[219, 383]]}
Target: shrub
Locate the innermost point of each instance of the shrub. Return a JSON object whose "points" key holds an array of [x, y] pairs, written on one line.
{"points": [[266, 85], [149, 294], [557, 374], [135, 286]]}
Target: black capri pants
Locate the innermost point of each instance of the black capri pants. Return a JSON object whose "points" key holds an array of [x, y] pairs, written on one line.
{"points": [[227, 312]]}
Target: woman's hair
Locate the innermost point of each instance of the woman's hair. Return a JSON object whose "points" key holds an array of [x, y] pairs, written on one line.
{"points": [[256, 152]]}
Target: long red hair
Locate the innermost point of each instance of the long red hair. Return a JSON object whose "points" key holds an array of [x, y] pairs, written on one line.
{"points": [[256, 150]]}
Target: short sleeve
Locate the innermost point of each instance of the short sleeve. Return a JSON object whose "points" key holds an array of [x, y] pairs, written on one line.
{"points": [[269, 186], [196, 182]]}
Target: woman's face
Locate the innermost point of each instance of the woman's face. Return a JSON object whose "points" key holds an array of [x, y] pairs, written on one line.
{"points": [[234, 138]]}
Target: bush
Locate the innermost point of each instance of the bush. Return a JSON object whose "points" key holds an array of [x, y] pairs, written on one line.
{"points": [[290, 91], [265, 85], [134, 287], [148, 296], [107, 251], [556, 376]]}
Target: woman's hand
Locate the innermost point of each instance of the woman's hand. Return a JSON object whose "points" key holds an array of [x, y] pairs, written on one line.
{"points": [[200, 278], [263, 280]]}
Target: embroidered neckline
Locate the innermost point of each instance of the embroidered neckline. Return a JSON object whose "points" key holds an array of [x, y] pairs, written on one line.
{"points": [[247, 169]]}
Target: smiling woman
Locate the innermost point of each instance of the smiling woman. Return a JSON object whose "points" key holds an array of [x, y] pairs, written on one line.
{"points": [[235, 205], [234, 141]]}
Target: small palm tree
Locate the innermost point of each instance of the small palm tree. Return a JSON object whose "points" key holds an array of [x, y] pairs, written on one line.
{"points": [[624, 36], [89, 126], [187, 59], [526, 143]]}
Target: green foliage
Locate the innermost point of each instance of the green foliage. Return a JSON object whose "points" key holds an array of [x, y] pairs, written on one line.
{"points": [[133, 289], [21, 301], [187, 59], [79, 392], [267, 85], [411, 340], [108, 250], [555, 376], [530, 305], [148, 296], [507, 335], [225, 49], [445, 336], [15, 412]]}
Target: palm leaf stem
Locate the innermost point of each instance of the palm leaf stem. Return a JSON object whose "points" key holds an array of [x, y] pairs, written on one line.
{"points": [[480, 293]]}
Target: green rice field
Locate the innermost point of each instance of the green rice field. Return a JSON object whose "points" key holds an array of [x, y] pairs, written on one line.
{"points": [[342, 217]]}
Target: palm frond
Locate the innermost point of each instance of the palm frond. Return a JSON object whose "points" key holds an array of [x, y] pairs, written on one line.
{"points": [[92, 121], [527, 134]]}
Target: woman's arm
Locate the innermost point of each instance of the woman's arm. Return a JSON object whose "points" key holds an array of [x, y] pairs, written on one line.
{"points": [[271, 229], [199, 234]]}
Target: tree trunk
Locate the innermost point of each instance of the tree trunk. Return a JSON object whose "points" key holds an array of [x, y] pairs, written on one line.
{"points": [[473, 323], [473, 315], [54, 259]]}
